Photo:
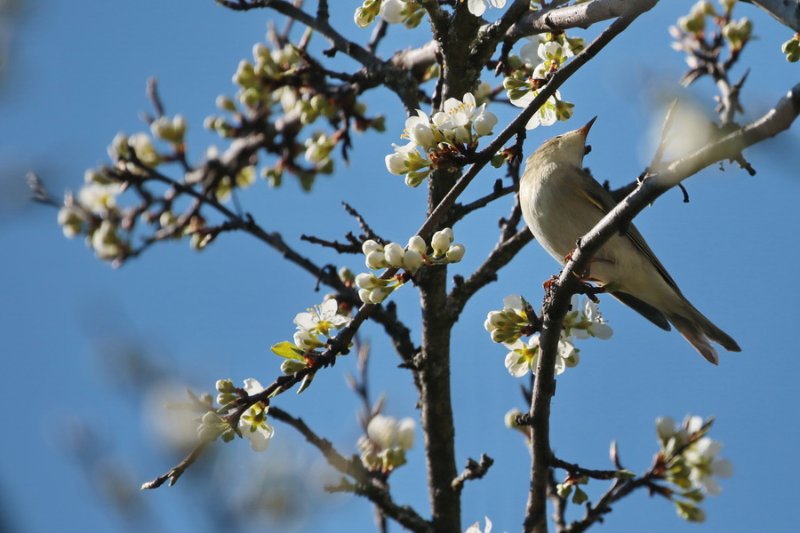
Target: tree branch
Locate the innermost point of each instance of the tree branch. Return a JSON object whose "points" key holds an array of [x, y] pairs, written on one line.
{"points": [[562, 75], [486, 273], [576, 16], [396, 79], [367, 485], [556, 305], [473, 470], [787, 12]]}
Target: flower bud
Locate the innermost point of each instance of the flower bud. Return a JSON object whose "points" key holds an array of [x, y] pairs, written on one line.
{"points": [[455, 253], [378, 295], [224, 385], [225, 103], [484, 123], [412, 261], [441, 241], [363, 295], [375, 260], [396, 163], [510, 418], [393, 253], [417, 244], [370, 246], [306, 340], [366, 281]]}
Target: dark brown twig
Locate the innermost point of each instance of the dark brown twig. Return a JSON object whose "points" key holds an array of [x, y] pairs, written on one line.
{"points": [[473, 470]]}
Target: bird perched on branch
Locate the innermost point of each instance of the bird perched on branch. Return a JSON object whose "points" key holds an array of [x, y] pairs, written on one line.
{"points": [[561, 202]]}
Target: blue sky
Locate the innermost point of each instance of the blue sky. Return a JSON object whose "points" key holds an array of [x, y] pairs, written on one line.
{"points": [[77, 76]]}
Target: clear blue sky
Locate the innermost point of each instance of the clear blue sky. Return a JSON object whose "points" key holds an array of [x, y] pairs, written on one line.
{"points": [[77, 76]]}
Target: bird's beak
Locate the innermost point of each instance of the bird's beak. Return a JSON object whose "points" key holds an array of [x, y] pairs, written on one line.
{"points": [[585, 130]]}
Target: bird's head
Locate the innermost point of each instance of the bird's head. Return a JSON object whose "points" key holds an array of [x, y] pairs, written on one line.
{"points": [[569, 147]]}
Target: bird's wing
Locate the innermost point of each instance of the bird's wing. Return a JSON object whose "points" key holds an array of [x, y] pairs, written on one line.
{"points": [[600, 198], [643, 308]]}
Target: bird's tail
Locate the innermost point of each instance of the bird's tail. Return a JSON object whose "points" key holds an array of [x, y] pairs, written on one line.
{"points": [[699, 331]]}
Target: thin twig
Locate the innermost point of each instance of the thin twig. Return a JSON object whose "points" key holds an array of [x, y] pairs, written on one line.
{"points": [[473, 470], [366, 485]]}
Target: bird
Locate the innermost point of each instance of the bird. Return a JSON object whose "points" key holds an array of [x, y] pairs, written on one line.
{"points": [[561, 202]]}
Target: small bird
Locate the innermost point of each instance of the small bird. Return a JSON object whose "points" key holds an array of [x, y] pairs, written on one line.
{"points": [[561, 202]]}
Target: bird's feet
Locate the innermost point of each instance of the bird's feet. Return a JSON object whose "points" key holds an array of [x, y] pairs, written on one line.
{"points": [[548, 284], [591, 291]]}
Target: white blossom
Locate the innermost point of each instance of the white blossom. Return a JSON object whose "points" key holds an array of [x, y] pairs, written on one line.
{"points": [[393, 11], [476, 527], [322, 318], [478, 7], [253, 426]]}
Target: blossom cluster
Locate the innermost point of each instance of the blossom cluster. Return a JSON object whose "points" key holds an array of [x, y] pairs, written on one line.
{"points": [[252, 424], [407, 12], [791, 48], [538, 59], [736, 32], [315, 327], [384, 446], [508, 325], [95, 214], [374, 289], [690, 461], [96, 211], [452, 131], [280, 79]]}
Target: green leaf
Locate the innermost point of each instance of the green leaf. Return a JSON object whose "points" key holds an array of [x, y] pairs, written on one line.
{"points": [[288, 350], [579, 497], [306, 382], [625, 474], [690, 512]]}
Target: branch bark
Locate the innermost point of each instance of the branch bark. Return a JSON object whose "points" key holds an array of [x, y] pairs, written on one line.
{"points": [[396, 79], [787, 12], [577, 16], [373, 489]]}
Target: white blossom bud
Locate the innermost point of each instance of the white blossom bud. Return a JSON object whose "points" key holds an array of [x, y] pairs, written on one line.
{"points": [[441, 241], [392, 11], [412, 261], [375, 260], [224, 385], [665, 427], [305, 340], [455, 253], [494, 320], [417, 244], [70, 218], [484, 123], [393, 253], [378, 295], [422, 134], [396, 163], [510, 418], [405, 433], [366, 280], [363, 295], [370, 246], [362, 17]]}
